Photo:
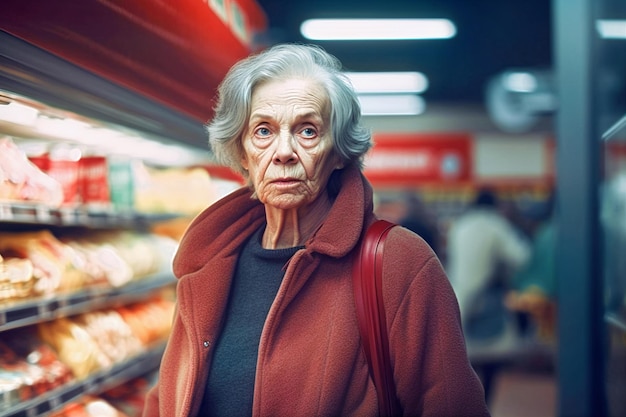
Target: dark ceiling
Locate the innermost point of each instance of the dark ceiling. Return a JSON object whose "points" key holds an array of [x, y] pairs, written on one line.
{"points": [[492, 36]]}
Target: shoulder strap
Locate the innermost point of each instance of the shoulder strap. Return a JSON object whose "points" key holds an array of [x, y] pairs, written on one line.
{"points": [[367, 284]]}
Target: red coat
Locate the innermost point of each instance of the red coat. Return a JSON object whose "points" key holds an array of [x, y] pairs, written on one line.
{"points": [[310, 361]]}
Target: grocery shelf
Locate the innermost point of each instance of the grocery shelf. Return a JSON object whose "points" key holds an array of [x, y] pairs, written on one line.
{"points": [[16, 314], [42, 215], [96, 383]]}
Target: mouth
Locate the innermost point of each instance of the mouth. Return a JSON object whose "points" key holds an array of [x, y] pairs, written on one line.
{"points": [[286, 179], [285, 182]]}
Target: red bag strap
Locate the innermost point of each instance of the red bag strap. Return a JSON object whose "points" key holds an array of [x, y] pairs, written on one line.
{"points": [[368, 296]]}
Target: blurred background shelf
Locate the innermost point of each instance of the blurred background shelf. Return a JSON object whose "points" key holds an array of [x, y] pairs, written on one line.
{"points": [[41, 215], [16, 314], [94, 384]]}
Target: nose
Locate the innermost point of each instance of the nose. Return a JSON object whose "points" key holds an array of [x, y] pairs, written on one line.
{"points": [[285, 151]]}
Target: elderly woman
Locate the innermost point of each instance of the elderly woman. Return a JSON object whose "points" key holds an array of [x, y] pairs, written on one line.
{"points": [[266, 322]]}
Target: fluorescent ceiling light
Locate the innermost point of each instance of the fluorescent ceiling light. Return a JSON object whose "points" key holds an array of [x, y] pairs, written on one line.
{"points": [[377, 29], [392, 104], [388, 82], [611, 29]]}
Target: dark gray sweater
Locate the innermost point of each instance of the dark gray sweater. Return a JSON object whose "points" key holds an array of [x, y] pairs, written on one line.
{"points": [[230, 385]]}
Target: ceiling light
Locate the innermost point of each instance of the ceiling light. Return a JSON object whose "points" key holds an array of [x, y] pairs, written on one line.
{"points": [[391, 105], [388, 82], [377, 29], [611, 29]]}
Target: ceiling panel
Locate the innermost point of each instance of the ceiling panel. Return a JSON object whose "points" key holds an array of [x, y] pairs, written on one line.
{"points": [[492, 36]]}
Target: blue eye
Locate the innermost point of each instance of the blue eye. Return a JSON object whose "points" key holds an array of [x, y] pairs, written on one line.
{"points": [[309, 132], [263, 131]]}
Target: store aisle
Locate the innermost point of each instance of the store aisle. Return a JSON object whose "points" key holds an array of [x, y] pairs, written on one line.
{"points": [[519, 392]]}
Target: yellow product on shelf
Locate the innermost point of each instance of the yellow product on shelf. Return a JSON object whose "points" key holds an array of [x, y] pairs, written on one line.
{"points": [[173, 190], [74, 346], [16, 278]]}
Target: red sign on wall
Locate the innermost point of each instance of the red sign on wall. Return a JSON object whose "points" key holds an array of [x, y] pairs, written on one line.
{"points": [[419, 158]]}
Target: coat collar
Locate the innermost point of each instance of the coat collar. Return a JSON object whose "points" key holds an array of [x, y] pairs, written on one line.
{"points": [[221, 229]]}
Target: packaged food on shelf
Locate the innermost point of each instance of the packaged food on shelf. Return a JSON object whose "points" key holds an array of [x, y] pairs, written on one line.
{"points": [[98, 339], [75, 346], [61, 162], [34, 263], [150, 322], [143, 253], [16, 278], [89, 406], [93, 182], [161, 190], [121, 177], [28, 367], [55, 265], [81, 171], [22, 180], [111, 333], [101, 261], [130, 397], [37, 359]]}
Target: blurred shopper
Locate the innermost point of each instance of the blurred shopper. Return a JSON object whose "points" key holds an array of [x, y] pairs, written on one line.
{"points": [[483, 249], [534, 286], [266, 323]]}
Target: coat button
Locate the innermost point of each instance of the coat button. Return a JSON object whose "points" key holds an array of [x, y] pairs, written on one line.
{"points": [[206, 343]]}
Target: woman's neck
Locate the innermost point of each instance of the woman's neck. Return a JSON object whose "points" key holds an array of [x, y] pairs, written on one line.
{"points": [[293, 227]]}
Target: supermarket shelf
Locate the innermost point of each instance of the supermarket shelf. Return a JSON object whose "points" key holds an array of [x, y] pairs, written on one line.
{"points": [[99, 382], [40, 214], [23, 313]]}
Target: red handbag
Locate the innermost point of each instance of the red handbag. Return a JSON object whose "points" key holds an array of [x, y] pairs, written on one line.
{"points": [[368, 296]]}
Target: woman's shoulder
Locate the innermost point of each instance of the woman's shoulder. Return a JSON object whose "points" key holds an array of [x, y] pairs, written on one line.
{"points": [[412, 269], [409, 253], [409, 240]]}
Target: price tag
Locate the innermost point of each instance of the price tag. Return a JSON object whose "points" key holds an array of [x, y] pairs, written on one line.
{"points": [[42, 213], [6, 212], [55, 402], [44, 310]]}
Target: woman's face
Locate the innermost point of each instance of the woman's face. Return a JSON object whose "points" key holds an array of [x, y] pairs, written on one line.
{"points": [[287, 144]]}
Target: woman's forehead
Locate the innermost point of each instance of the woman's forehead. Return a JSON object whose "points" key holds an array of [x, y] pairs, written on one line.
{"points": [[293, 94]]}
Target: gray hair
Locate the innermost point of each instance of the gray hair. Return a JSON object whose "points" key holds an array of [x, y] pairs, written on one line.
{"points": [[351, 140]]}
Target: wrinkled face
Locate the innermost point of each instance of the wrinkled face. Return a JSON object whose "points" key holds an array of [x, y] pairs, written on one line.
{"points": [[287, 144]]}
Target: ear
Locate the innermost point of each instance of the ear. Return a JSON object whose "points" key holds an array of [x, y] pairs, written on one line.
{"points": [[244, 163]]}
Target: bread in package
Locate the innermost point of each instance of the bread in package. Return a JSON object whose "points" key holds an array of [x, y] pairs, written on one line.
{"points": [[16, 278], [55, 264]]}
